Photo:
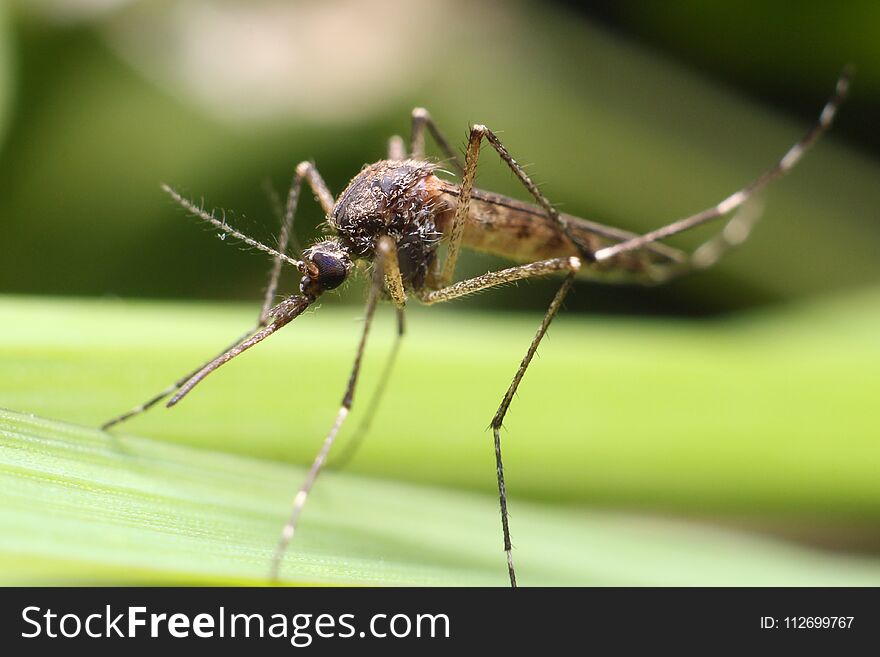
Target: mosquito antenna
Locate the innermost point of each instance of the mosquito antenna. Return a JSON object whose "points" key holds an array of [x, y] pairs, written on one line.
{"points": [[226, 228], [735, 200]]}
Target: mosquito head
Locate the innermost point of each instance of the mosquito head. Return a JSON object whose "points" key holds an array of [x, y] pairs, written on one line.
{"points": [[325, 266]]}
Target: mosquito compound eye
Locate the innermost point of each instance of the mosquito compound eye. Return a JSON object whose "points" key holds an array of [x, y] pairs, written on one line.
{"points": [[331, 270]]}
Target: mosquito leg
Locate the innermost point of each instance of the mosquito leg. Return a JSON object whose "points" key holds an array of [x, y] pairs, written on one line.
{"points": [[386, 249], [463, 288], [735, 232], [792, 156], [495, 278], [304, 171], [396, 148], [299, 500], [421, 119], [354, 443], [461, 210], [278, 211], [498, 420], [477, 134], [387, 252], [285, 237]]}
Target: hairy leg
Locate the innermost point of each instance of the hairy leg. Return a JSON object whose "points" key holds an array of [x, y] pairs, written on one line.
{"points": [[477, 134]]}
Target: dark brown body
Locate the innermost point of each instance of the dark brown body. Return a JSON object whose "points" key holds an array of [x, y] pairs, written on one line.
{"points": [[410, 202]]}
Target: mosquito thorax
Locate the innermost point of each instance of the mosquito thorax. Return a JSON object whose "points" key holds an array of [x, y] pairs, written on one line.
{"points": [[325, 266], [394, 198]]}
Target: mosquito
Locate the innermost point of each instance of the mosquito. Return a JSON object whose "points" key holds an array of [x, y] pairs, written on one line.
{"points": [[398, 214]]}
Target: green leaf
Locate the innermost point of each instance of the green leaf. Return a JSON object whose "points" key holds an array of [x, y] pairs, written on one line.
{"points": [[79, 505], [769, 418], [771, 413]]}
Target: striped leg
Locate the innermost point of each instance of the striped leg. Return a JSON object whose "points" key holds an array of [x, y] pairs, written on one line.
{"points": [[792, 156]]}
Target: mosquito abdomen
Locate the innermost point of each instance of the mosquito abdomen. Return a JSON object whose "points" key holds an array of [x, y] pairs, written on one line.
{"points": [[522, 232]]}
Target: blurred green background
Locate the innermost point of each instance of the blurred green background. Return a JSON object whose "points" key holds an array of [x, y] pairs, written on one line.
{"points": [[628, 113], [103, 101]]}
